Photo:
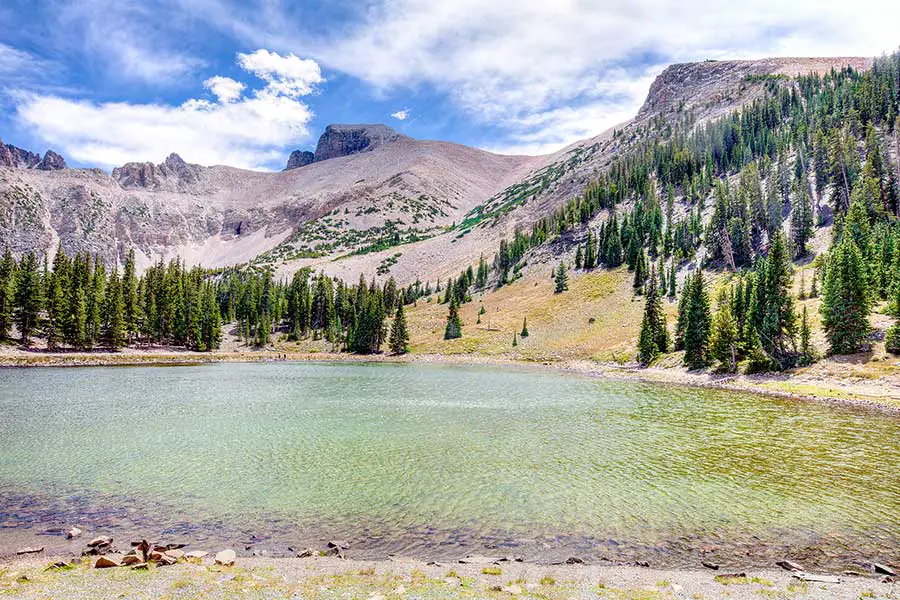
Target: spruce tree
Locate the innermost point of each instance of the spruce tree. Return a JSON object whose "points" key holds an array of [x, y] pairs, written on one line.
{"points": [[578, 257], [697, 323], [654, 336], [561, 279], [845, 302], [777, 327], [723, 345], [801, 220], [7, 292], [29, 299], [114, 313], [399, 341], [515, 341], [453, 329], [524, 333], [640, 272]]}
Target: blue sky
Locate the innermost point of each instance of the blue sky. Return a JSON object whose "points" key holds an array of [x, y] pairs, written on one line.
{"points": [[245, 82]]}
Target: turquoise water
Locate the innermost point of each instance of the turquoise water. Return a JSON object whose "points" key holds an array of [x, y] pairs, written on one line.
{"points": [[442, 459]]}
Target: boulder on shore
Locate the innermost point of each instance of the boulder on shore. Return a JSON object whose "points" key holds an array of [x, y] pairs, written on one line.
{"points": [[105, 562], [226, 558]]}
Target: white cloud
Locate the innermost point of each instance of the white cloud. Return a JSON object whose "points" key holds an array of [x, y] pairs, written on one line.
{"points": [[129, 39], [401, 115], [225, 89], [288, 75], [507, 62], [247, 130]]}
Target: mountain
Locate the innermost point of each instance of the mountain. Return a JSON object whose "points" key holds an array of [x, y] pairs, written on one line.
{"points": [[368, 200]]}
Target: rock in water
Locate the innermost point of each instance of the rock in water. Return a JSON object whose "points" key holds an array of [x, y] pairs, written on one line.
{"points": [[883, 569], [226, 558], [73, 533], [105, 562], [30, 550], [308, 553]]}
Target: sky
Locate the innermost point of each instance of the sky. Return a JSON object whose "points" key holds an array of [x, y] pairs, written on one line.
{"points": [[244, 82]]}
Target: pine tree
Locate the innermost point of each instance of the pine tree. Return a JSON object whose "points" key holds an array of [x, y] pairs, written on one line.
{"points": [[578, 257], [561, 279], [114, 313], [524, 333], [777, 328], [453, 329], [801, 220], [399, 340], [654, 336], [723, 345], [515, 341], [697, 323], [845, 303], [640, 272], [7, 292], [673, 280], [29, 299]]}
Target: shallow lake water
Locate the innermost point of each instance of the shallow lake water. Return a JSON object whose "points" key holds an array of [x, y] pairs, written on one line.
{"points": [[438, 461]]}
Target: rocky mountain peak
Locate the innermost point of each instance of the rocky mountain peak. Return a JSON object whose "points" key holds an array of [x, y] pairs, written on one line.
{"points": [[172, 174], [344, 140], [17, 158], [299, 158], [51, 162]]}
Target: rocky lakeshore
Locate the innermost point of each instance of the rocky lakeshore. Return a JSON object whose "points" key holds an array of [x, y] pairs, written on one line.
{"points": [[222, 575]]}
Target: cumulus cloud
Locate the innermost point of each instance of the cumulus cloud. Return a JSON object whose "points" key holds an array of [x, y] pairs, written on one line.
{"points": [[240, 129], [401, 115], [225, 89], [287, 75]]}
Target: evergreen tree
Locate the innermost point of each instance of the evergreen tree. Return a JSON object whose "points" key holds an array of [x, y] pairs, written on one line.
{"points": [[515, 341], [801, 220], [399, 341], [561, 279], [654, 336], [524, 333], [640, 272], [114, 313], [724, 339], [845, 303], [697, 323], [29, 298], [7, 292], [578, 257], [453, 329], [777, 328]]}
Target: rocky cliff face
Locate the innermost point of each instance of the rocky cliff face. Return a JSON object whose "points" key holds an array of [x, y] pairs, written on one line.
{"points": [[299, 158], [345, 140], [171, 175], [17, 158]]}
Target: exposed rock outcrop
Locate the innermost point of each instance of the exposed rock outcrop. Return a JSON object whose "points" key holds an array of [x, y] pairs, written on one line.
{"points": [[17, 158], [51, 162], [299, 158], [173, 174], [344, 140]]}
